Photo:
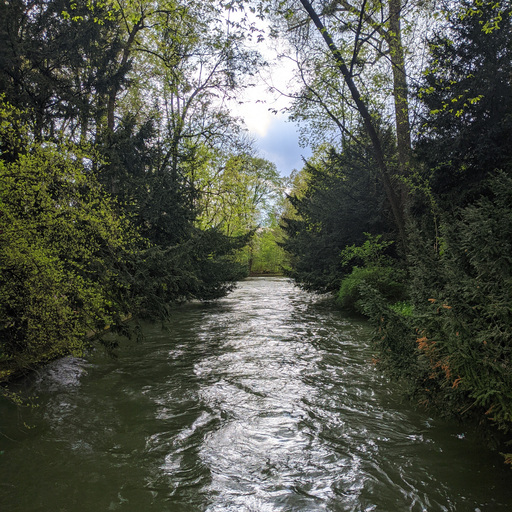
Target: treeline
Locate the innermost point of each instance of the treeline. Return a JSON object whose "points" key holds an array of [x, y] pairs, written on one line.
{"points": [[440, 297], [125, 184]]}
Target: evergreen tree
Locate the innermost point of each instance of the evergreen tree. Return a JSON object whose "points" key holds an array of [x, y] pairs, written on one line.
{"points": [[343, 199], [467, 95], [57, 62], [453, 341]]}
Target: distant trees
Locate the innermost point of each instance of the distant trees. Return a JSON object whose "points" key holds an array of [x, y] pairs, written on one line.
{"points": [[244, 193], [239, 193]]}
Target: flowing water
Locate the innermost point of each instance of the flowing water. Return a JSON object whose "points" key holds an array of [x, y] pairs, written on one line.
{"points": [[264, 401]]}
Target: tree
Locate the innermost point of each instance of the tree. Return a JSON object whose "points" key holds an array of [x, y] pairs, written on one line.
{"points": [[467, 97], [373, 25], [64, 252], [347, 66], [58, 61], [342, 199], [452, 339]]}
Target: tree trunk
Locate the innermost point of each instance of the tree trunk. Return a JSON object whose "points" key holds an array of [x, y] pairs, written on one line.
{"points": [[394, 199], [400, 89], [112, 95]]}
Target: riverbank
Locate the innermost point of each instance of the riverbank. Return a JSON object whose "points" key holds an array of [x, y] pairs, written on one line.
{"points": [[23, 364], [11, 370], [266, 274]]}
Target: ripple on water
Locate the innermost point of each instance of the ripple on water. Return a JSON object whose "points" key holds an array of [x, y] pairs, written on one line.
{"points": [[265, 401]]}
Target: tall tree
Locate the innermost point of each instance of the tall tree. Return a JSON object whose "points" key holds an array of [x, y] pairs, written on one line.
{"points": [[467, 98], [341, 199], [379, 25], [58, 61], [387, 179], [364, 42]]}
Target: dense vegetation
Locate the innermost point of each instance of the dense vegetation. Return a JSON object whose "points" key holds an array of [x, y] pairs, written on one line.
{"points": [[441, 299], [126, 186]]}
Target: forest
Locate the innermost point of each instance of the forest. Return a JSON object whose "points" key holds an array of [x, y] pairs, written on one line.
{"points": [[127, 185]]}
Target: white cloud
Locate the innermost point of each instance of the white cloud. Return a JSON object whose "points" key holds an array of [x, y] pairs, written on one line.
{"points": [[258, 102], [281, 146], [277, 139], [256, 116]]}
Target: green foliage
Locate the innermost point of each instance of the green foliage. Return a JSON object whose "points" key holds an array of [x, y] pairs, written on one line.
{"points": [[58, 69], [371, 253], [377, 274], [147, 183], [202, 267], [403, 308], [72, 260], [239, 193], [268, 257], [394, 339], [467, 98], [460, 273], [471, 317], [62, 249], [341, 199], [94, 235], [457, 337], [386, 281]]}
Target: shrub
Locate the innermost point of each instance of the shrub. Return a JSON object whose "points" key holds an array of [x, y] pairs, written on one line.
{"points": [[62, 249], [386, 281], [403, 308], [455, 346]]}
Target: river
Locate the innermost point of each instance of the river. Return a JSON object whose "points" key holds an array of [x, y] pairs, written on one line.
{"points": [[264, 401]]}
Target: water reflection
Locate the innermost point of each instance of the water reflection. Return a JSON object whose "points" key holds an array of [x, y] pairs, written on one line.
{"points": [[265, 401]]}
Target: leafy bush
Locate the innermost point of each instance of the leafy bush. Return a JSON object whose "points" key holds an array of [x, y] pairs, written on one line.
{"points": [[455, 345], [468, 321], [371, 253], [376, 275], [386, 281], [403, 308], [62, 249]]}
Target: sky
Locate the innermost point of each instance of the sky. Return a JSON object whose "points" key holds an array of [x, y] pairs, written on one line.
{"points": [[280, 144], [276, 138]]}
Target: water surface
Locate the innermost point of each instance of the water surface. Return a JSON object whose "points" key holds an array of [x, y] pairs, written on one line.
{"points": [[264, 401]]}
